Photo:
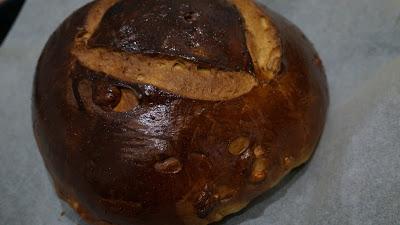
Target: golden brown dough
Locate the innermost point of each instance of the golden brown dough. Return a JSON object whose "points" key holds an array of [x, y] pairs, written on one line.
{"points": [[164, 112]]}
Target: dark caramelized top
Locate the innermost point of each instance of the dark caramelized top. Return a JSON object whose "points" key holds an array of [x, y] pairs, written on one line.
{"points": [[208, 32]]}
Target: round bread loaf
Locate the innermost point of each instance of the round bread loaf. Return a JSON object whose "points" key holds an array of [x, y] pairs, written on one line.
{"points": [[175, 112]]}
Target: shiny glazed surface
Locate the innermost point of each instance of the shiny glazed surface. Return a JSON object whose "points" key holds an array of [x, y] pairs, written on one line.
{"points": [[162, 158]]}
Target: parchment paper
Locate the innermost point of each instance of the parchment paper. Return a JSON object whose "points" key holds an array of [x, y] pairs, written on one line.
{"points": [[354, 177]]}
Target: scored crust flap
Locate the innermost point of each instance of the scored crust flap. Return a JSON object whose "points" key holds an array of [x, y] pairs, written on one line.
{"points": [[217, 81]]}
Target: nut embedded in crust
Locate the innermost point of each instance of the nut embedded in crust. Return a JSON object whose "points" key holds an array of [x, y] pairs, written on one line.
{"points": [[170, 166], [259, 170], [239, 145]]}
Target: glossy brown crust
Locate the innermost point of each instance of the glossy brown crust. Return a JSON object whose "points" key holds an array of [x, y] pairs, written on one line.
{"points": [[208, 32], [173, 160]]}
